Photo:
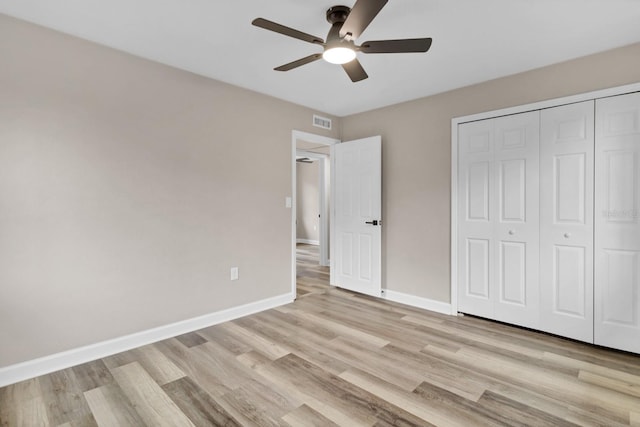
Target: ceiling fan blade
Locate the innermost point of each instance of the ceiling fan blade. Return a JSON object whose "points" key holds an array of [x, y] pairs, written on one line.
{"points": [[272, 26], [396, 46], [355, 71], [299, 62], [360, 17]]}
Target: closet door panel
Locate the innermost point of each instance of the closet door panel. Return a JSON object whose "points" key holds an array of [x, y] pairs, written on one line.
{"points": [[566, 220], [517, 225], [617, 227], [476, 213]]}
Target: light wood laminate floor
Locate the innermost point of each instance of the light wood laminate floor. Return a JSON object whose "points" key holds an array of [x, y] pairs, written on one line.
{"points": [[338, 358]]}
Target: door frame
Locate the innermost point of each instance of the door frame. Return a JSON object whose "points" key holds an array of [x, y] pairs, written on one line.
{"points": [[556, 102], [296, 136]]}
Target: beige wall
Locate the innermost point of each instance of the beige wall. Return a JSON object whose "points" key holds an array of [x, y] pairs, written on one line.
{"points": [[308, 200], [416, 141], [127, 191]]}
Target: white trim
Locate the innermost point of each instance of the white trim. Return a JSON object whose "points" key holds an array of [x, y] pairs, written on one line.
{"points": [[454, 217], [308, 242], [588, 96], [315, 139], [419, 302], [66, 359], [550, 103]]}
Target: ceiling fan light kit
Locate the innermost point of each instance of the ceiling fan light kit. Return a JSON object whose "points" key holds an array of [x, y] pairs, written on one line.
{"points": [[339, 55], [346, 25]]}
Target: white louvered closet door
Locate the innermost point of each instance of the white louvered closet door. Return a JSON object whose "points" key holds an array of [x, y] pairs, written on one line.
{"points": [[566, 220], [617, 222]]}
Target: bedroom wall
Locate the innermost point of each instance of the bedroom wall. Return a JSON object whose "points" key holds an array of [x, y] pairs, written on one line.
{"points": [[416, 157], [308, 201], [128, 189]]}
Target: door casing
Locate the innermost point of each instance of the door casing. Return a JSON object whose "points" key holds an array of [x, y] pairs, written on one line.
{"points": [[297, 136]]}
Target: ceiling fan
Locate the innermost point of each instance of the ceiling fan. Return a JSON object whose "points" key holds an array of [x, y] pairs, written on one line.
{"points": [[346, 25]]}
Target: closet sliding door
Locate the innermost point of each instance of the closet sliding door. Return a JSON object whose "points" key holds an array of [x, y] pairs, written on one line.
{"points": [[566, 220], [617, 227]]}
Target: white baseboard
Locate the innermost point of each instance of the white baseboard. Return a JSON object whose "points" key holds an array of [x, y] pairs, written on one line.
{"points": [[308, 242], [33, 368], [419, 302]]}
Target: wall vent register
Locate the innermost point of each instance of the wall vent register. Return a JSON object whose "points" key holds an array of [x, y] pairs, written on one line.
{"points": [[321, 122]]}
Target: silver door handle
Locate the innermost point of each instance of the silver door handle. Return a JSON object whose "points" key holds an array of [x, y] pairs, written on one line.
{"points": [[567, 235], [512, 232]]}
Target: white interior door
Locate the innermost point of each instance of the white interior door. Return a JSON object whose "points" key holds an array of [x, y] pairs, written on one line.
{"points": [[498, 218], [356, 169], [476, 213], [566, 220], [617, 223], [516, 229]]}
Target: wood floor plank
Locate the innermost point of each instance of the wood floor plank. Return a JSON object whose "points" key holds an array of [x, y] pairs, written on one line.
{"points": [[510, 412], [600, 369], [64, 398], [22, 404], [219, 335], [359, 403], [342, 330], [157, 364], [199, 369], [224, 365], [111, 408], [562, 388], [305, 416], [630, 388], [150, 401], [255, 341], [327, 410], [191, 339], [294, 326], [258, 405], [201, 408], [92, 375]]}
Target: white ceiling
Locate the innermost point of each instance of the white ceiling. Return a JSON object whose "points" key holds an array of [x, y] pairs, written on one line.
{"points": [[474, 41]]}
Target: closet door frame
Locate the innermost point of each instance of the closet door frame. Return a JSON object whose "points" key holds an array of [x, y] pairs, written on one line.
{"points": [[619, 90]]}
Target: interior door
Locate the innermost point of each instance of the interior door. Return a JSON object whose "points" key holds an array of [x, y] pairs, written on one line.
{"points": [[617, 224], [566, 220], [498, 218], [516, 229], [476, 213], [356, 169]]}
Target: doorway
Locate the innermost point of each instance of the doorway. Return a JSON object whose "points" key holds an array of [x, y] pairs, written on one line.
{"points": [[314, 148]]}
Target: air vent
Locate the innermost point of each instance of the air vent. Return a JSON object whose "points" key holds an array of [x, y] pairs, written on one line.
{"points": [[321, 122]]}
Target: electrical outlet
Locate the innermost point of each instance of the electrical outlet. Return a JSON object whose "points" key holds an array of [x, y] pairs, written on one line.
{"points": [[235, 274]]}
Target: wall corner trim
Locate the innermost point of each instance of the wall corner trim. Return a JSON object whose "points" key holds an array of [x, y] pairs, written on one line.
{"points": [[44, 365], [419, 302]]}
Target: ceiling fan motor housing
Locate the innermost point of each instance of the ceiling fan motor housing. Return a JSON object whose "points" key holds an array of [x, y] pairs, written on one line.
{"points": [[338, 14]]}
